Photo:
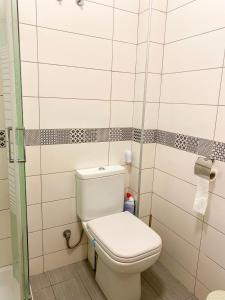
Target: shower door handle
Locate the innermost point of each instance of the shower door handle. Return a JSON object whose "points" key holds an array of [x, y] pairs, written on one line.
{"points": [[9, 130], [11, 159]]}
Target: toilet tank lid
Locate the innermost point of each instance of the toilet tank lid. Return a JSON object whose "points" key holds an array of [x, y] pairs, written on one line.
{"points": [[102, 171]]}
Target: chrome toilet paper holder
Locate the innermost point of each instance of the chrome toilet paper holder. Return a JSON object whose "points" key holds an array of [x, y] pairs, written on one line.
{"points": [[204, 168]]}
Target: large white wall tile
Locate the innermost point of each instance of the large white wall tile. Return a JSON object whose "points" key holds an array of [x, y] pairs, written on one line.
{"points": [[29, 73], [3, 163], [59, 212], [174, 190], [61, 158], [220, 125], [34, 217], [33, 189], [213, 245], [189, 227], [211, 274], [5, 231], [145, 205], [53, 239], [215, 212], [178, 271], [201, 292], [185, 119], [33, 162], [5, 252], [196, 18], [69, 17], [172, 4], [35, 244], [117, 152], [184, 253], [36, 265], [143, 27], [176, 162], [58, 186], [204, 87], [151, 115], [158, 23], [31, 113], [128, 5], [77, 50], [4, 195], [200, 52], [28, 42], [121, 114], [64, 257], [146, 181], [155, 58], [148, 156], [124, 57], [123, 86], [160, 5], [59, 113], [69, 82], [153, 87], [27, 11], [125, 26], [222, 92]]}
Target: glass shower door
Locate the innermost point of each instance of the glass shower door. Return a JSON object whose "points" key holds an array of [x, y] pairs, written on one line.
{"points": [[12, 92]]}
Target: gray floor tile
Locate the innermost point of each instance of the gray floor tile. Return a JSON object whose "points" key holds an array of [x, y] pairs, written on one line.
{"points": [[39, 282], [71, 290], [61, 274], [44, 294], [164, 284], [87, 276], [147, 293]]}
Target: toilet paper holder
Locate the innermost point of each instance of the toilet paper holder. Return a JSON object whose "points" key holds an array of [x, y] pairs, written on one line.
{"points": [[204, 168]]}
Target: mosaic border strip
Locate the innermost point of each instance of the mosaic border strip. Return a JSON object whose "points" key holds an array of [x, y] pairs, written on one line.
{"points": [[2, 139], [204, 147]]}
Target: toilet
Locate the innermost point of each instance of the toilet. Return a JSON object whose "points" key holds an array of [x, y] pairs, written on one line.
{"points": [[216, 295], [125, 246]]}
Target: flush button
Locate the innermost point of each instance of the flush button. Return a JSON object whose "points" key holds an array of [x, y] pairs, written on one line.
{"points": [[101, 169]]}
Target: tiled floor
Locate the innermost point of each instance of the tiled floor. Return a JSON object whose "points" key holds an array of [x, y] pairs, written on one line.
{"points": [[77, 282]]}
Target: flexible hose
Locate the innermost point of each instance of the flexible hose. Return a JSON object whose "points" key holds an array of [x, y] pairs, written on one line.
{"points": [[67, 235]]}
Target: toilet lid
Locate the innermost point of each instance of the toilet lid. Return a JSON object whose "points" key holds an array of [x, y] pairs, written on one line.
{"points": [[124, 237], [216, 295]]}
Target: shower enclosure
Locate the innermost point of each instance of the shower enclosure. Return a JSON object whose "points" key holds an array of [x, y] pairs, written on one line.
{"points": [[14, 270]]}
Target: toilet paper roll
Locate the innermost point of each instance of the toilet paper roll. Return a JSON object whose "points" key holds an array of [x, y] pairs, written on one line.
{"points": [[202, 195]]}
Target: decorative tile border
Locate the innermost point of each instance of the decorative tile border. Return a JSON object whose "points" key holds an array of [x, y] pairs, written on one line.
{"points": [[196, 145], [2, 139]]}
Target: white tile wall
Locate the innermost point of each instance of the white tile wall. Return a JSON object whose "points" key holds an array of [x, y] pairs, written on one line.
{"points": [[78, 71], [192, 103]]}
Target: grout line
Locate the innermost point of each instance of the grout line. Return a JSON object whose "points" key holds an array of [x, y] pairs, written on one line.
{"points": [[160, 95], [39, 121], [173, 9], [192, 70], [177, 234], [195, 35], [149, 28], [111, 83], [178, 207], [77, 33]]}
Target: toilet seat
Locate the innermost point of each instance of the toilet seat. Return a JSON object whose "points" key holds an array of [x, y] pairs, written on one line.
{"points": [[124, 238]]}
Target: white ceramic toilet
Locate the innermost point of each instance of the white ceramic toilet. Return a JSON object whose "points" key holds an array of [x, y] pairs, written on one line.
{"points": [[124, 244]]}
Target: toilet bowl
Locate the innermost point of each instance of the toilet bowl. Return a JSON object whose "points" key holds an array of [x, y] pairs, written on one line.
{"points": [[125, 247], [216, 295]]}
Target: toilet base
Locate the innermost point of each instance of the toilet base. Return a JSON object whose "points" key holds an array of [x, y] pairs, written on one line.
{"points": [[118, 286]]}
